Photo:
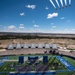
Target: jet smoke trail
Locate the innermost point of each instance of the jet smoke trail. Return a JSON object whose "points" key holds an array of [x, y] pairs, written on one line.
{"points": [[61, 2], [53, 4], [69, 2], [65, 2], [57, 3]]}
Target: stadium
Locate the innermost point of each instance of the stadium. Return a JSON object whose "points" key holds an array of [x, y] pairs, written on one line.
{"points": [[37, 37], [36, 59]]}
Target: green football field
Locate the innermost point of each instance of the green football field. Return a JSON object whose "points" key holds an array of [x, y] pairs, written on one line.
{"points": [[10, 66]]}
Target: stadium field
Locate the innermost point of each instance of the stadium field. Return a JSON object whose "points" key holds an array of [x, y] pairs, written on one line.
{"points": [[10, 66], [70, 60], [57, 73]]}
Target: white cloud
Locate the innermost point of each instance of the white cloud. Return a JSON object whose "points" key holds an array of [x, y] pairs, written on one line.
{"points": [[73, 29], [11, 27], [52, 15], [52, 23], [46, 8], [36, 25], [66, 29], [21, 26], [22, 14], [37, 30], [53, 26], [31, 28], [62, 18], [68, 20], [31, 6]]}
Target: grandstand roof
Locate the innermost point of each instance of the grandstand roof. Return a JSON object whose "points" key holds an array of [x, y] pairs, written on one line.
{"points": [[18, 46], [10, 47], [14, 45], [33, 45], [25, 45], [47, 46], [54, 46], [41, 45]]}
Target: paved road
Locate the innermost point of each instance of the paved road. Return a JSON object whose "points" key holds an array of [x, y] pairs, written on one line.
{"points": [[34, 51]]}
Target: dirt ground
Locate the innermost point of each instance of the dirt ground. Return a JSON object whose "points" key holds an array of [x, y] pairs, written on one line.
{"points": [[61, 42]]}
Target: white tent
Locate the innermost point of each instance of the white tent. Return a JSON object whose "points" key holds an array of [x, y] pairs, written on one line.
{"points": [[33, 45], [18, 46], [26, 46], [50, 45], [10, 47], [14, 46], [41, 46], [47, 46], [36, 45], [54, 46], [22, 45]]}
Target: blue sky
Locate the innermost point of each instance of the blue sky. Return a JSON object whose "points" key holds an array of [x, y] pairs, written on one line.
{"points": [[36, 16]]}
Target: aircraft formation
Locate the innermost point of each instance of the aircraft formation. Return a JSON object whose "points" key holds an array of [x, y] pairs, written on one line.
{"points": [[60, 3]]}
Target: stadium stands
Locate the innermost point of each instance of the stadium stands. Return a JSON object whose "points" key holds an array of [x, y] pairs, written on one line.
{"points": [[33, 46], [54, 46], [22, 46], [18, 46], [25, 46], [14, 46], [40, 45], [10, 47], [47, 46]]}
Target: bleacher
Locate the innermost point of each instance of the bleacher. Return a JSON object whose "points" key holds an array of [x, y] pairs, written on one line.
{"points": [[25, 46]]}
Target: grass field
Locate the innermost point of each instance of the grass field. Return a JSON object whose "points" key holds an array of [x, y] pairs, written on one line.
{"points": [[9, 66], [66, 73], [70, 60]]}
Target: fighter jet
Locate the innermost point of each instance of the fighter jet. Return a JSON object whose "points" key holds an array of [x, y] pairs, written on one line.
{"points": [[70, 5], [66, 6], [63, 7]]}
